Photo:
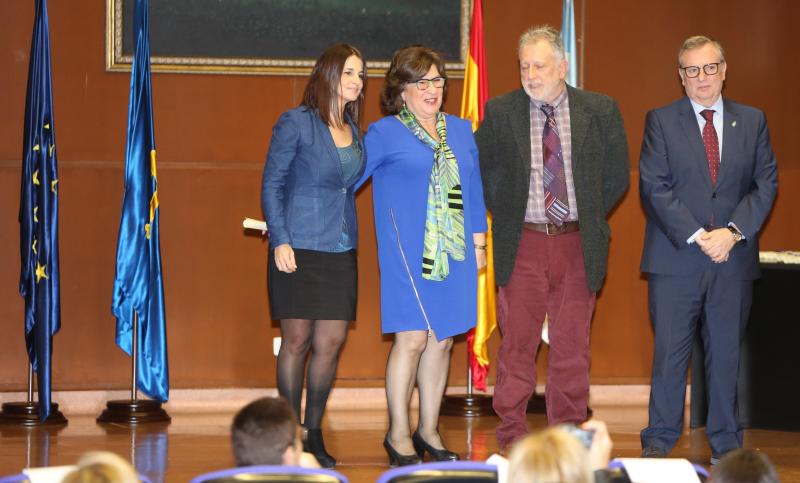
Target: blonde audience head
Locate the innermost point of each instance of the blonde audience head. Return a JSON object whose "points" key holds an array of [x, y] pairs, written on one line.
{"points": [[549, 456], [102, 467]]}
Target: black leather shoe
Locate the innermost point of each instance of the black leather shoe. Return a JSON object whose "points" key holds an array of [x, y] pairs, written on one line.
{"points": [[420, 446], [316, 446], [397, 459], [654, 452]]}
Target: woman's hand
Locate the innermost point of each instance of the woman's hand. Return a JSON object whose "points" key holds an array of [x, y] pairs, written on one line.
{"points": [[284, 258], [480, 257], [479, 239]]}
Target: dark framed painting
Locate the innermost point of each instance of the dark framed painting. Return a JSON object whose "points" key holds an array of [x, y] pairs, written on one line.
{"points": [[284, 37]]}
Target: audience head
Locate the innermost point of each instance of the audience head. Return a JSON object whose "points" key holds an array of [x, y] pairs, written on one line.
{"points": [[547, 456], [744, 466], [266, 432], [102, 467]]}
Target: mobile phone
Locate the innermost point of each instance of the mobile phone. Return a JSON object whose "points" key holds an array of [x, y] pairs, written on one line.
{"points": [[585, 436]]}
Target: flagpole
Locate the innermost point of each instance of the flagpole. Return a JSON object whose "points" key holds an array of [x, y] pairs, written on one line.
{"points": [[133, 411], [134, 357], [30, 383]]}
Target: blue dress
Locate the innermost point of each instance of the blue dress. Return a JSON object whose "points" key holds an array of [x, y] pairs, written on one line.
{"points": [[400, 166]]}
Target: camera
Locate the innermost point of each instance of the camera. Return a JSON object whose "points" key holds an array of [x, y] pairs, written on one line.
{"points": [[584, 435]]}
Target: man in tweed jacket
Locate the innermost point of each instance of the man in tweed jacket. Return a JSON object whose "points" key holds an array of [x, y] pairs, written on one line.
{"points": [[546, 266]]}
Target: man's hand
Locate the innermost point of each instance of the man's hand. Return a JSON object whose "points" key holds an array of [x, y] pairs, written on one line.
{"points": [[717, 244], [284, 258]]}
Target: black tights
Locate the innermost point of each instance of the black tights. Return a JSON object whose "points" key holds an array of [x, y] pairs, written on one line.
{"points": [[325, 339]]}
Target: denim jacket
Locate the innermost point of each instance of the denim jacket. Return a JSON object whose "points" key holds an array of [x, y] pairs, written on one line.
{"points": [[303, 193]]}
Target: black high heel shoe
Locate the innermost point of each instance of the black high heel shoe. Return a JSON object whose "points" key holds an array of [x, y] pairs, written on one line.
{"points": [[316, 446], [420, 446], [397, 459]]}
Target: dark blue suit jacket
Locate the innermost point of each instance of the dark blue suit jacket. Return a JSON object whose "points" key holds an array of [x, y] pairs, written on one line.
{"points": [[678, 196], [304, 196]]}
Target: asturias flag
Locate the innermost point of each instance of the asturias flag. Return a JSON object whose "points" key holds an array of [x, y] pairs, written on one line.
{"points": [[138, 284], [38, 213], [475, 95]]}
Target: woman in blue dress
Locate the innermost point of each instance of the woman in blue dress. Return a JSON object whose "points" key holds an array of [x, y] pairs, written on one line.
{"points": [[308, 197], [430, 223]]}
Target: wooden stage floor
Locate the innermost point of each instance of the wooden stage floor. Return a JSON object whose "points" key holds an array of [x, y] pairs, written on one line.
{"points": [[198, 442]]}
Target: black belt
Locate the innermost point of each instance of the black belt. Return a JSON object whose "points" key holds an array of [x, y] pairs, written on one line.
{"points": [[553, 229]]}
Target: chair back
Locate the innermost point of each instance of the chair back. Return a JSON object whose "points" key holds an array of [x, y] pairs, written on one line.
{"points": [[274, 474], [449, 472]]}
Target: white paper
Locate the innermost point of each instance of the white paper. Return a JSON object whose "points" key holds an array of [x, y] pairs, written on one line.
{"points": [[49, 474], [254, 224], [502, 466], [659, 470]]}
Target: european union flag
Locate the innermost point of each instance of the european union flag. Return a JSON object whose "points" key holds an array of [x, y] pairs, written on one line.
{"points": [[138, 284], [38, 213]]}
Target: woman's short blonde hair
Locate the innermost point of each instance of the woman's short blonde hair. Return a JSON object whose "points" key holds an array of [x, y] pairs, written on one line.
{"points": [[552, 455], [102, 467]]}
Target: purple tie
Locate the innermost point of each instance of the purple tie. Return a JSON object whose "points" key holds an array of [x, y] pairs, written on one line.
{"points": [[556, 203]]}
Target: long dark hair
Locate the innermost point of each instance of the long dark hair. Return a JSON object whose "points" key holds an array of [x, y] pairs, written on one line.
{"points": [[322, 90]]}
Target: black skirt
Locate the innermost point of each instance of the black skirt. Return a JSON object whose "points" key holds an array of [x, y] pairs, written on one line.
{"points": [[323, 287]]}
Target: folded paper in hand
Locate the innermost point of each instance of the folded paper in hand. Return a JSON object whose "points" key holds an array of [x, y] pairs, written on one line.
{"points": [[254, 224]]}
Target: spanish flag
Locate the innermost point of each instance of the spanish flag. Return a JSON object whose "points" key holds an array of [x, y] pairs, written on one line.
{"points": [[474, 97]]}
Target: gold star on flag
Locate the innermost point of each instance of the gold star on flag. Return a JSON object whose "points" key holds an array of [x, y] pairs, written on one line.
{"points": [[51, 149], [36, 148], [40, 271], [34, 245], [47, 126], [53, 186], [35, 210], [147, 230], [36, 177]]}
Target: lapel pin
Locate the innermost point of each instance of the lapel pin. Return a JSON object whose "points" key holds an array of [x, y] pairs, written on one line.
{"points": [[733, 124]]}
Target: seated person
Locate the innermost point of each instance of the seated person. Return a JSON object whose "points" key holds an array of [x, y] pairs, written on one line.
{"points": [[554, 454], [266, 432], [102, 467], [744, 466]]}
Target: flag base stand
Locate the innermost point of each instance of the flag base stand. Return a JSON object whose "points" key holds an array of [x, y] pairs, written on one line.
{"points": [[132, 412], [469, 405], [27, 414]]}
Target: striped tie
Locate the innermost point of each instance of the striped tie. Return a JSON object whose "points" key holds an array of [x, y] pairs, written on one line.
{"points": [[556, 203]]}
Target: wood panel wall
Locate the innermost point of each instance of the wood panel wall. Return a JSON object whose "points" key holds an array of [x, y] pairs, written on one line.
{"points": [[212, 132]]}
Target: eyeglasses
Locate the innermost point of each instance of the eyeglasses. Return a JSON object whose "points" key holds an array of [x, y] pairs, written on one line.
{"points": [[423, 84], [710, 69]]}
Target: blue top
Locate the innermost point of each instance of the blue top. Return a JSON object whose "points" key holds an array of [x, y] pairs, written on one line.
{"points": [[305, 195], [352, 164], [400, 166]]}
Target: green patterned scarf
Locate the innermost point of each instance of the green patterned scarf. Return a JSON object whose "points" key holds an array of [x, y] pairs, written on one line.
{"points": [[444, 221]]}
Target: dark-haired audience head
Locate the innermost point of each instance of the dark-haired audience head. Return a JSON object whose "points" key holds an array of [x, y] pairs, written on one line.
{"points": [[266, 432], [744, 466], [338, 77], [408, 66]]}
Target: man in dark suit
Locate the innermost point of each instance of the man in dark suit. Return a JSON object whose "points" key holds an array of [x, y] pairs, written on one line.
{"points": [[554, 162], [708, 179]]}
